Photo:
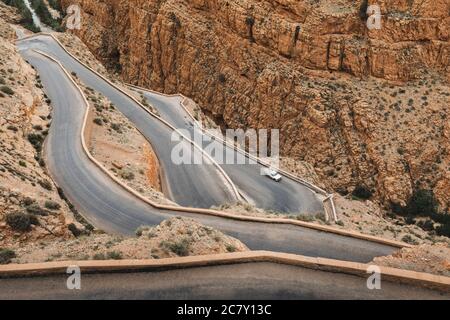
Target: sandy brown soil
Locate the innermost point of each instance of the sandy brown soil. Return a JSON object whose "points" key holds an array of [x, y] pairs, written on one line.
{"points": [[366, 217], [424, 258]]}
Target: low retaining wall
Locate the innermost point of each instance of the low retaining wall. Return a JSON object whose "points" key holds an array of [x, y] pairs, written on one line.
{"points": [[440, 283]]}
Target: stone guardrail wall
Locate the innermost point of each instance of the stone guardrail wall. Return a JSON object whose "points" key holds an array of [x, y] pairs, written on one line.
{"points": [[435, 282]]}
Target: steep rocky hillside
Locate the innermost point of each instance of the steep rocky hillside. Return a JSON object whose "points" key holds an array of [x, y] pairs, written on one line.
{"points": [[366, 108], [31, 209]]}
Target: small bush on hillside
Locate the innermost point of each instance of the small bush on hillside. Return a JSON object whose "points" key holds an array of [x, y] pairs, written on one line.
{"points": [[36, 140], [444, 230], [362, 192], [127, 175], [27, 201], [75, 231], [98, 121], [12, 128], [410, 240], [180, 248], [363, 10], [46, 185], [427, 225], [35, 209], [7, 90], [20, 221], [6, 255], [99, 256], [52, 205], [116, 127], [113, 255], [422, 203]]}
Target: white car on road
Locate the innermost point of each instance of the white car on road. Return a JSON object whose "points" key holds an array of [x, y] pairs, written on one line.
{"points": [[272, 174]]}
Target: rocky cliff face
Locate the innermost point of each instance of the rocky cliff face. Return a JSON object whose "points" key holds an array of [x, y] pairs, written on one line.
{"points": [[362, 106]]}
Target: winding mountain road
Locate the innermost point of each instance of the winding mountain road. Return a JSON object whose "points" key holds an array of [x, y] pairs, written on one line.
{"points": [[287, 196], [284, 196], [211, 187], [111, 208]]}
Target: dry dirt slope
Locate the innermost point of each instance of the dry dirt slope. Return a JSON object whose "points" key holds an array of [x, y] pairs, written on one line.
{"points": [[28, 199]]}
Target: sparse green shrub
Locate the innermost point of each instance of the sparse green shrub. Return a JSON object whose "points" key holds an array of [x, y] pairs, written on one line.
{"points": [[230, 248], [7, 90], [116, 127], [22, 163], [139, 231], [114, 255], [35, 209], [12, 128], [99, 256], [421, 204], [127, 175], [305, 218], [362, 192], [75, 231], [444, 230], [180, 248], [250, 21], [98, 121], [27, 201], [52, 205], [20, 221], [427, 225], [36, 140], [6, 255], [46, 184], [222, 78], [363, 10], [408, 239]]}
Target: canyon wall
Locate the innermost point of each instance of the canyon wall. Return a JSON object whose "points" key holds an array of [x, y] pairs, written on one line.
{"points": [[363, 107]]}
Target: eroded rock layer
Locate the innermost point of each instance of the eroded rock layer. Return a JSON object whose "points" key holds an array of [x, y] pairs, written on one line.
{"points": [[363, 107]]}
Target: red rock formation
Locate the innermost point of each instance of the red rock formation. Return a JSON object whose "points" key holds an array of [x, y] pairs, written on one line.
{"points": [[362, 106]]}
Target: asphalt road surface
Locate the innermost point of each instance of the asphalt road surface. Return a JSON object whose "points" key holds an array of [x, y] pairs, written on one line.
{"points": [[111, 208], [287, 196], [210, 187], [251, 281]]}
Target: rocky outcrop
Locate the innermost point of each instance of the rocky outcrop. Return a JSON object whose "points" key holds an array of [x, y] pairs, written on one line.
{"points": [[31, 208], [361, 106]]}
